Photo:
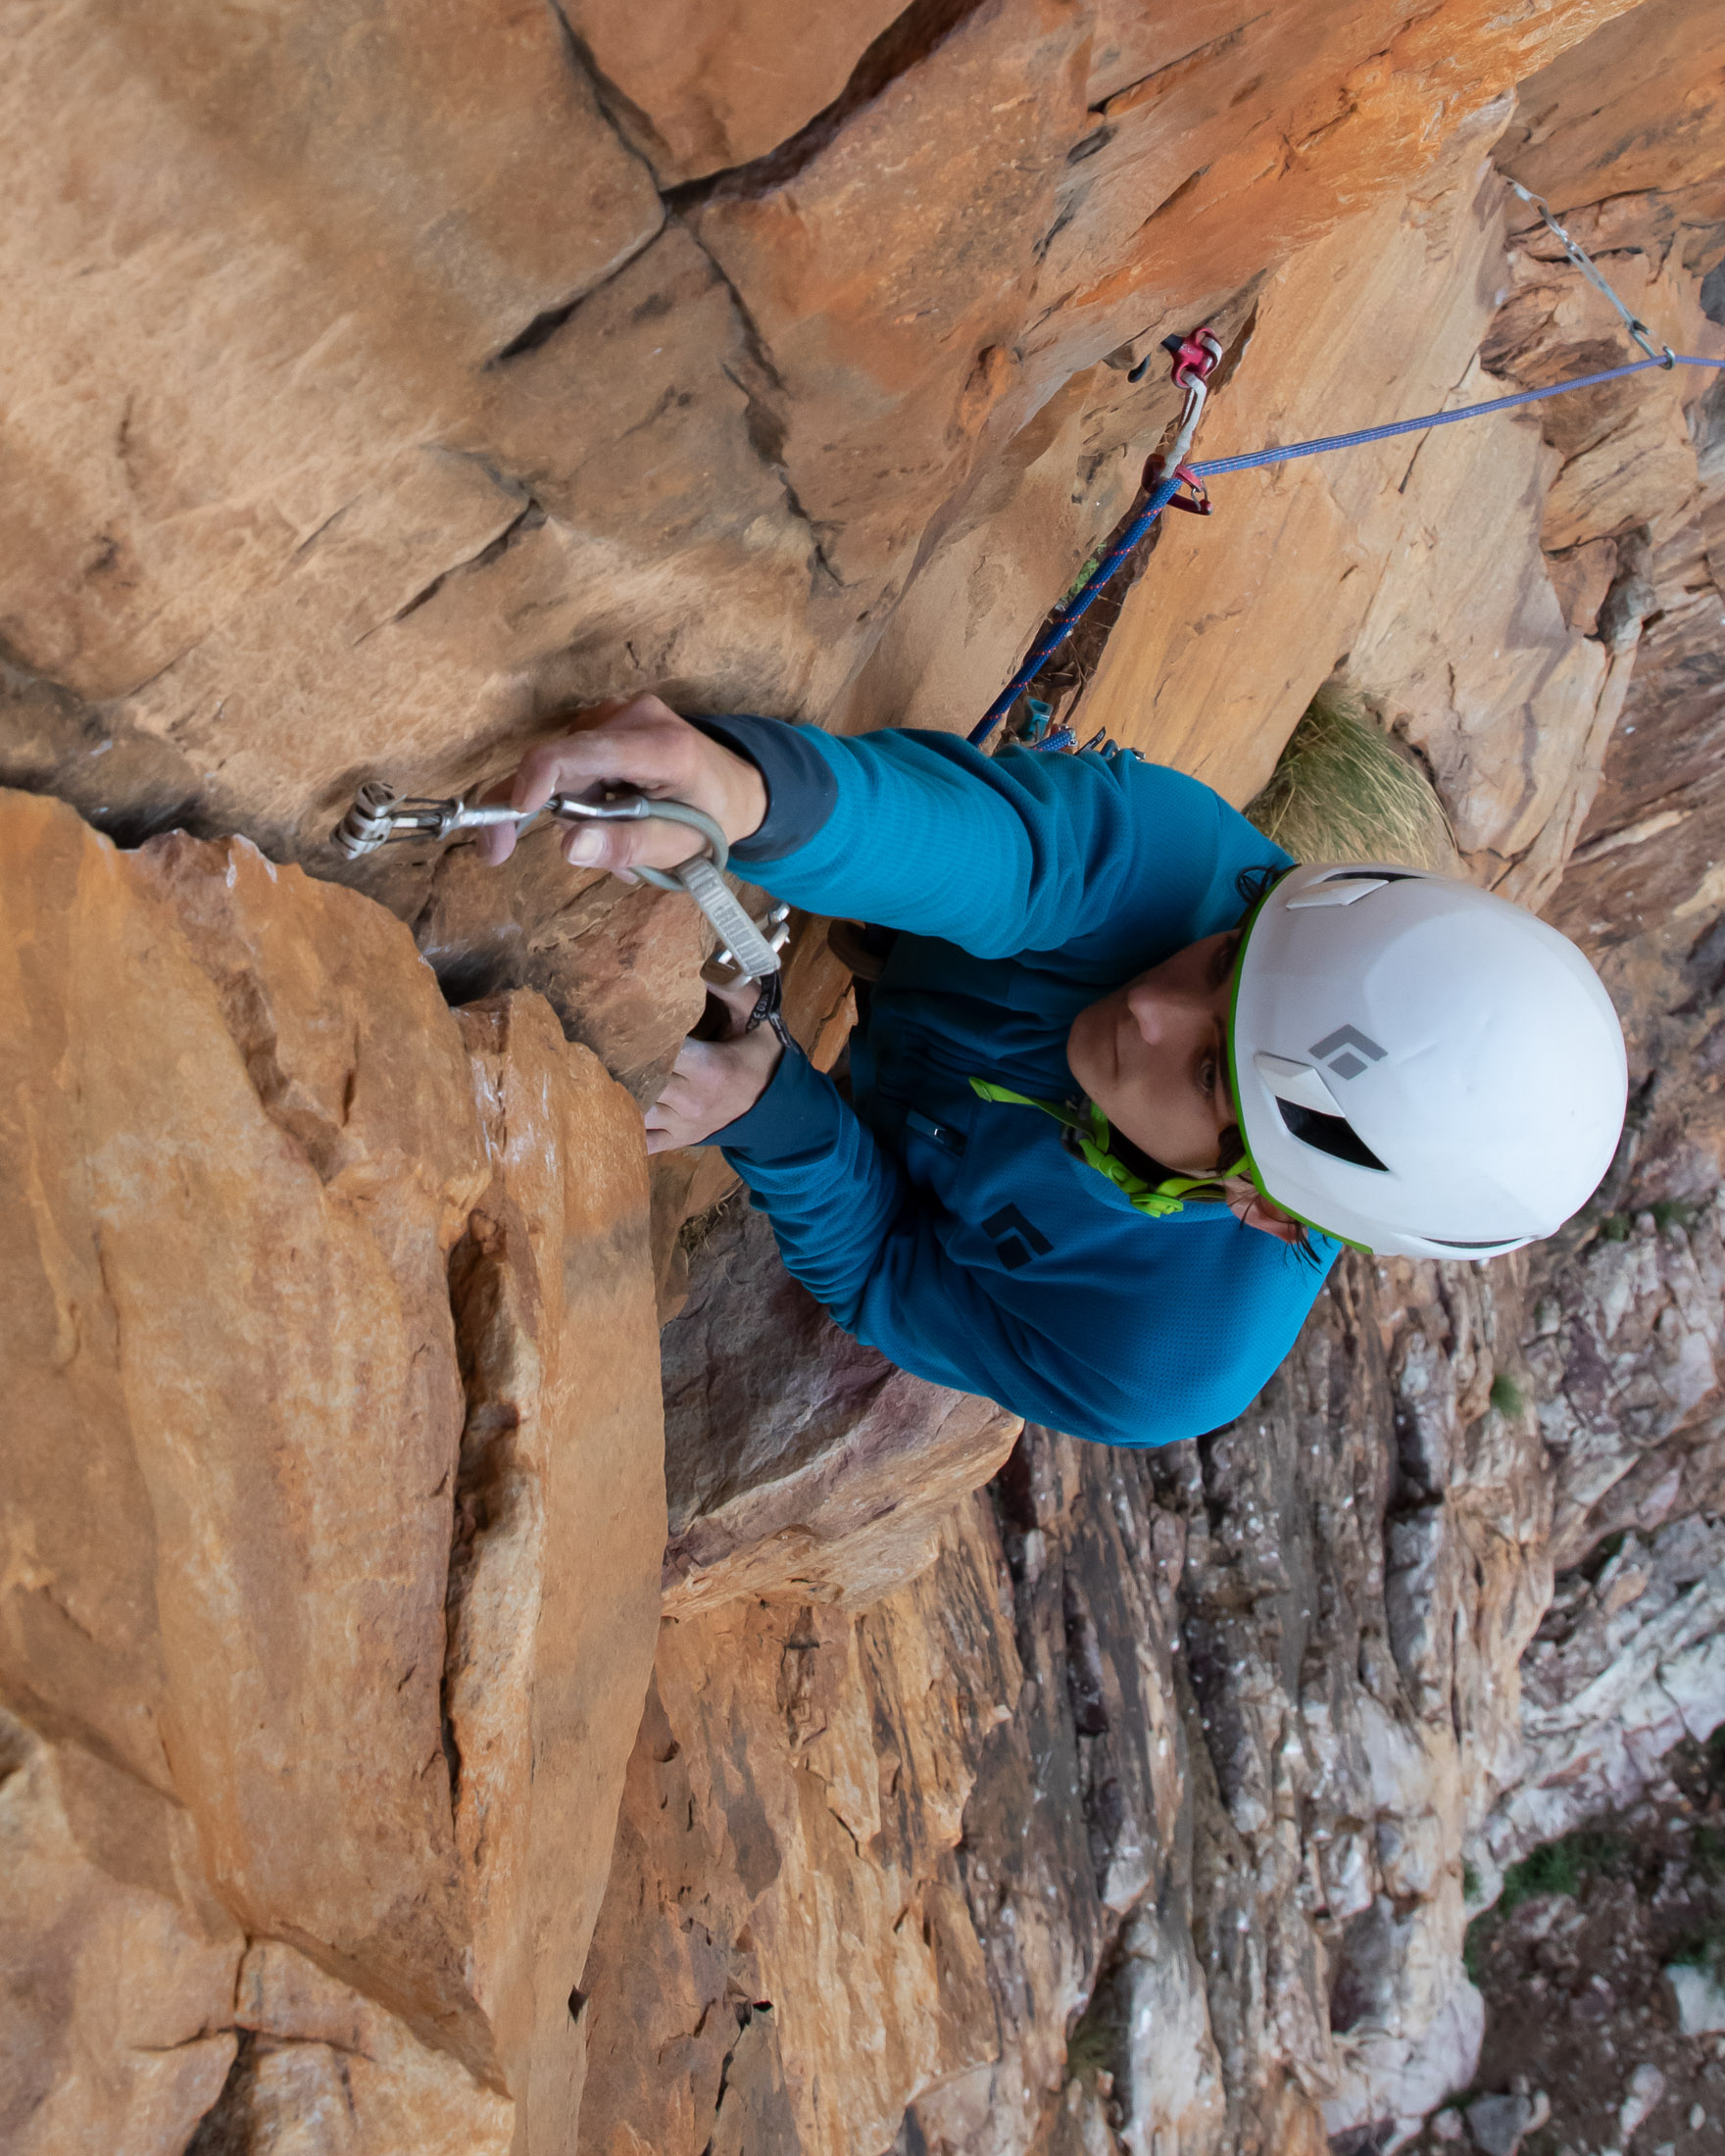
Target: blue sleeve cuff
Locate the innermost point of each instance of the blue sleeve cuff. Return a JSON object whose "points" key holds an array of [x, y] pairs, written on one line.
{"points": [[799, 1115], [801, 787]]}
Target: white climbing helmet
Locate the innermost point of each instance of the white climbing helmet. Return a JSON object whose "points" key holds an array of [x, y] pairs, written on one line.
{"points": [[1419, 1068]]}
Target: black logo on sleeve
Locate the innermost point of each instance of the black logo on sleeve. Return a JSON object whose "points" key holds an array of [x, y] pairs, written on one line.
{"points": [[1010, 1234]]}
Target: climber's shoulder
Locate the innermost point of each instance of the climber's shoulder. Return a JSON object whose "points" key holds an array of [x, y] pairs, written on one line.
{"points": [[1187, 1323]]}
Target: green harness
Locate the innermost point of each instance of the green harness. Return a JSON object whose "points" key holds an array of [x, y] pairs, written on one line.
{"points": [[1089, 1133]]}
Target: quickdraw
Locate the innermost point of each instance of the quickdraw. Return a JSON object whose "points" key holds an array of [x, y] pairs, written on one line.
{"points": [[1164, 474], [1195, 358], [379, 816]]}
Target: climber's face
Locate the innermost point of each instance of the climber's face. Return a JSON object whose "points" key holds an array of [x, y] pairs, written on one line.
{"points": [[1154, 1056]]}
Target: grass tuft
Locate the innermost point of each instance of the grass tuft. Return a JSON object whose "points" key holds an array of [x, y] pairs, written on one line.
{"points": [[1508, 1397], [1341, 791]]}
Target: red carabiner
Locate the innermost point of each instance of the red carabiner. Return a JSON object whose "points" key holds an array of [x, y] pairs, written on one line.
{"points": [[1195, 355], [1156, 470]]}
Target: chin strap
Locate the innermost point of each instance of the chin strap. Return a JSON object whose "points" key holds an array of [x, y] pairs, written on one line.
{"points": [[1088, 1129]]}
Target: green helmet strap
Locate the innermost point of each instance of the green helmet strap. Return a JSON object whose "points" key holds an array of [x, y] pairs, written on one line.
{"points": [[1089, 1128]]}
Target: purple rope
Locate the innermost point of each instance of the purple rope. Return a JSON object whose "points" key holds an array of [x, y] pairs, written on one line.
{"points": [[1258, 457], [1080, 605]]}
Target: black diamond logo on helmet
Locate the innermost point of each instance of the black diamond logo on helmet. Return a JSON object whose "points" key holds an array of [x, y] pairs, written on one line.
{"points": [[1336, 1050]]}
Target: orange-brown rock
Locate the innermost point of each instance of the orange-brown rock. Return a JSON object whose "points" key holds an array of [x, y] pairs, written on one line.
{"points": [[359, 210], [118, 1995], [392, 414], [799, 1462], [785, 1953], [304, 1294], [890, 313], [1242, 616], [371, 402], [560, 1505], [312, 2052], [138, 2017], [1632, 110], [700, 87], [622, 973], [233, 1361]]}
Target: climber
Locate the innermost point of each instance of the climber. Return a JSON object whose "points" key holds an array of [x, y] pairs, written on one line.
{"points": [[1127, 1077]]}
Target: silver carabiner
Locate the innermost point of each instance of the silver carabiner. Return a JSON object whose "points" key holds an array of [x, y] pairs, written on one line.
{"points": [[379, 816]]}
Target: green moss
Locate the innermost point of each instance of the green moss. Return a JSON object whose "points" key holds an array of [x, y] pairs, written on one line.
{"points": [[1705, 1949], [1562, 1867], [1708, 1846], [1097, 2040], [1470, 1882], [1506, 1396], [1674, 1213], [1601, 1554], [1079, 582]]}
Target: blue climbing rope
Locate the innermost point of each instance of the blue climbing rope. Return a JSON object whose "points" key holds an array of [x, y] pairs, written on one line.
{"points": [[1075, 609], [1257, 456], [1079, 603]]}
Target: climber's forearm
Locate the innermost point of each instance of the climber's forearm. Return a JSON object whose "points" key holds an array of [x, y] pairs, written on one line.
{"points": [[919, 832], [998, 854]]}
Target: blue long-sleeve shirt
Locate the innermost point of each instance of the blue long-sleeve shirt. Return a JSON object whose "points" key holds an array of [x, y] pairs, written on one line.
{"points": [[960, 1236]]}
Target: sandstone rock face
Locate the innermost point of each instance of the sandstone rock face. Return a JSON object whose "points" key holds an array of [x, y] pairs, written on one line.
{"points": [[699, 88], [1459, 634], [116, 1990], [1256, 1710], [307, 1292], [524, 439], [552, 1598], [1208, 1843], [379, 387], [1284, 1753], [786, 1948]]}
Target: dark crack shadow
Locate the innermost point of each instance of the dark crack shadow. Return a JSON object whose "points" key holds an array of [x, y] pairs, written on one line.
{"points": [[905, 42], [757, 380], [226, 2128]]}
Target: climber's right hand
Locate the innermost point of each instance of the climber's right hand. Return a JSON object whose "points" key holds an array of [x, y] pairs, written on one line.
{"points": [[637, 742]]}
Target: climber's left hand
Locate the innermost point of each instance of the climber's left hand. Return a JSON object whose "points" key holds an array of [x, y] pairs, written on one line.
{"points": [[713, 1082]]}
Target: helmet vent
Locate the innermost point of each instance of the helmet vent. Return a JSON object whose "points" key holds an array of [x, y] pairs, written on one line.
{"points": [[1331, 1134]]}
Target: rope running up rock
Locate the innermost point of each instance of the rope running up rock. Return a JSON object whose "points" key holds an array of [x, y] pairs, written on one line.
{"points": [[1167, 484]]}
